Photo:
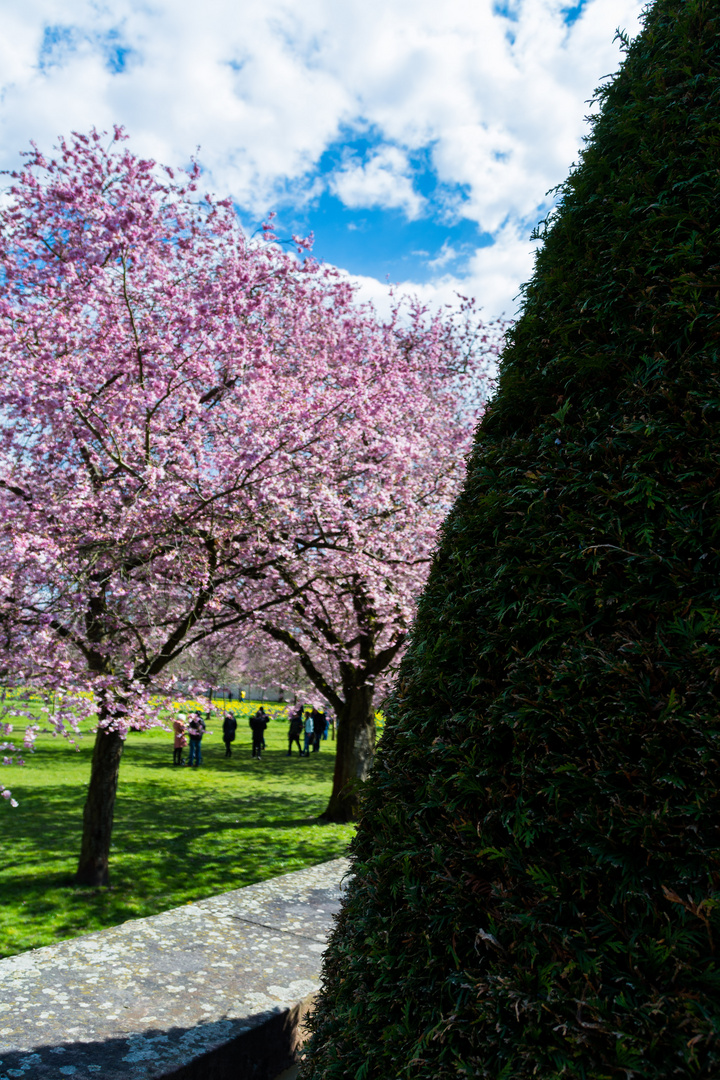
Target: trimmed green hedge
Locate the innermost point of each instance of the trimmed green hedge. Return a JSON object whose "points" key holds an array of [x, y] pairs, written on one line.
{"points": [[538, 865]]}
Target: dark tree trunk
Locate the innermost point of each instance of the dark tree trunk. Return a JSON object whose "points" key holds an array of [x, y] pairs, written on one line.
{"points": [[354, 754], [99, 810]]}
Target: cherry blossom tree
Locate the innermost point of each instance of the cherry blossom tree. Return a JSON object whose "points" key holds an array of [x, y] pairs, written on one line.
{"points": [[353, 592], [173, 400]]}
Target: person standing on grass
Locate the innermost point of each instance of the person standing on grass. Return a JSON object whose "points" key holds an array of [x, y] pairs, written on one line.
{"points": [[318, 719], [258, 722], [309, 732], [196, 730], [266, 718], [180, 738], [296, 726], [229, 729]]}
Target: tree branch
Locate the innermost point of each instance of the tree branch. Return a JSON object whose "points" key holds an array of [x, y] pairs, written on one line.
{"points": [[316, 677]]}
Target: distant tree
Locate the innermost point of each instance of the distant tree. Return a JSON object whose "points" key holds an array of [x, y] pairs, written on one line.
{"points": [[172, 396], [349, 622]]}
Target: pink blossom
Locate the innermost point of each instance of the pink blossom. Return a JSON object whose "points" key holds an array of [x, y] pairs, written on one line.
{"points": [[204, 435]]}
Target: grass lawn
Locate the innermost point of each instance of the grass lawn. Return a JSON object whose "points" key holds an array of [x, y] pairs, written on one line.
{"points": [[180, 834]]}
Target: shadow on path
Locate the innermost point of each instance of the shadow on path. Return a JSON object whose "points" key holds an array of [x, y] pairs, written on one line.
{"points": [[258, 1047]]}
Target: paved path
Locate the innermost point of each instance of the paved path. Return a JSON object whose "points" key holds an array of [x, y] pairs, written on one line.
{"points": [[189, 992]]}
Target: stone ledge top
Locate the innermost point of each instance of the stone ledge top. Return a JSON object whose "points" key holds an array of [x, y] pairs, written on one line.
{"points": [[144, 998]]}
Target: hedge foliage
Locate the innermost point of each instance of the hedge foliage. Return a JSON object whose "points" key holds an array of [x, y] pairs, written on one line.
{"points": [[538, 865]]}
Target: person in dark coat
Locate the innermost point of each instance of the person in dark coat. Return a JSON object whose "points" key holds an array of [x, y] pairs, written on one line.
{"points": [[296, 726], [318, 719], [196, 729], [266, 718], [258, 723], [229, 729]]}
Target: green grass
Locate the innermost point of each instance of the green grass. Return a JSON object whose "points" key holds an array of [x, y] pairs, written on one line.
{"points": [[179, 834]]}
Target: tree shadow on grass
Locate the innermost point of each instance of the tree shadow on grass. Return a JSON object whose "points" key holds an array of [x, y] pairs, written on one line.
{"points": [[53, 818], [171, 846], [52, 814]]}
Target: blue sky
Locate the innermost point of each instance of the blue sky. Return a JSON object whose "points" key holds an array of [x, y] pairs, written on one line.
{"points": [[373, 239], [417, 140]]}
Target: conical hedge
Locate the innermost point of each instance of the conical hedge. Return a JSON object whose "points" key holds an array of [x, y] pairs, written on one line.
{"points": [[538, 865]]}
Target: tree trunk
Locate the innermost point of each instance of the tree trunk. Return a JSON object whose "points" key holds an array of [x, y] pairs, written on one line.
{"points": [[354, 754], [99, 810]]}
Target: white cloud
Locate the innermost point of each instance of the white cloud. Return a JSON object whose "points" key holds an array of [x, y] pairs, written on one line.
{"points": [[447, 254], [264, 89], [383, 181]]}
